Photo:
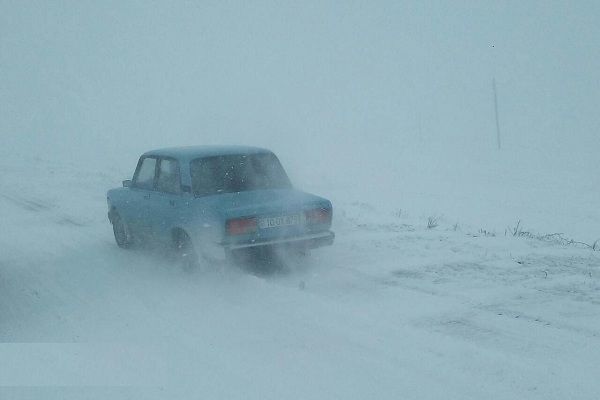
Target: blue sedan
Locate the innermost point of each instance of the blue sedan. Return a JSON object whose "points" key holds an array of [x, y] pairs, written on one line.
{"points": [[210, 201]]}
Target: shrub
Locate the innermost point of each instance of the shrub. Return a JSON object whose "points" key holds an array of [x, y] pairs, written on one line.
{"points": [[432, 221]]}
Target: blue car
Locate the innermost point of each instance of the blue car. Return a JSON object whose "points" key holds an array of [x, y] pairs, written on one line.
{"points": [[209, 201]]}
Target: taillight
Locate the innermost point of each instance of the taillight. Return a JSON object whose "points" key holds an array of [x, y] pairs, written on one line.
{"points": [[318, 216], [241, 226]]}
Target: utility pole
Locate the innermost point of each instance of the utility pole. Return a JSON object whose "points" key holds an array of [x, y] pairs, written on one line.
{"points": [[496, 111]]}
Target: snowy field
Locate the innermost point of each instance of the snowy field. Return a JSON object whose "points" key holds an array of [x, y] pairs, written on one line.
{"points": [[392, 310], [385, 108]]}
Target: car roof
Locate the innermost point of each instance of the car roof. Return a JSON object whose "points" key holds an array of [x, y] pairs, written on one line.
{"points": [[193, 152]]}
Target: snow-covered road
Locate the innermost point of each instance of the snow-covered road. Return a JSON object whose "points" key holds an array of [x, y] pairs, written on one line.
{"points": [[392, 310]]}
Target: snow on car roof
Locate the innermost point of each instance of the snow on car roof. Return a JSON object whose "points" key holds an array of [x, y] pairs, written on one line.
{"points": [[191, 152]]}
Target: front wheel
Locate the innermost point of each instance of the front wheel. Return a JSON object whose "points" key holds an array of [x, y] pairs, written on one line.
{"points": [[122, 233]]}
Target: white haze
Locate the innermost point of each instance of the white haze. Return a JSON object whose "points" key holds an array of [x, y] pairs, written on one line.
{"points": [[386, 108], [395, 95]]}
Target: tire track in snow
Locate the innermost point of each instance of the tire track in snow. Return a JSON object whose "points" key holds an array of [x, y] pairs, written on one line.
{"points": [[38, 206]]}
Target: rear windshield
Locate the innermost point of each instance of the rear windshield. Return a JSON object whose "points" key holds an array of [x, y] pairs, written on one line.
{"points": [[237, 173]]}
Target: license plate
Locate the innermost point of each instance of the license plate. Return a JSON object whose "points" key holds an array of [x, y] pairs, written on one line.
{"points": [[284, 220]]}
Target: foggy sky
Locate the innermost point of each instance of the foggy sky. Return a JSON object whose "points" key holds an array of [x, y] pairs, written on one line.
{"points": [[380, 89]]}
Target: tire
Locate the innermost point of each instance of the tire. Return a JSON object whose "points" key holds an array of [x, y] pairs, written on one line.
{"points": [[185, 253], [122, 232]]}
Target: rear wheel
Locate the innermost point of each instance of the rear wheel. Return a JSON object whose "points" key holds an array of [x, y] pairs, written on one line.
{"points": [[122, 232], [184, 250]]}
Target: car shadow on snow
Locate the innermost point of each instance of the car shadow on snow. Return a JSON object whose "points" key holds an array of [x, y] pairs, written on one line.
{"points": [[268, 261], [261, 261]]}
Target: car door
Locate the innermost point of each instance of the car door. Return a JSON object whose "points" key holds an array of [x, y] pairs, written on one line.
{"points": [[142, 190], [166, 201]]}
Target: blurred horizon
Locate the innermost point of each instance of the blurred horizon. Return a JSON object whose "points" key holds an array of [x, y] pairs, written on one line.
{"points": [[376, 100]]}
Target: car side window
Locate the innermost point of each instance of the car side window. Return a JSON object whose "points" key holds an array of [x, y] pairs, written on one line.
{"points": [[168, 176], [144, 178]]}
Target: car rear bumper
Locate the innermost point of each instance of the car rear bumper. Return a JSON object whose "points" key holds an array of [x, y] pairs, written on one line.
{"points": [[309, 241]]}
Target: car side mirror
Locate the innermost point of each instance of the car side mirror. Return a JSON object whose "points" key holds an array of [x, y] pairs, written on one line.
{"points": [[127, 183], [186, 188]]}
